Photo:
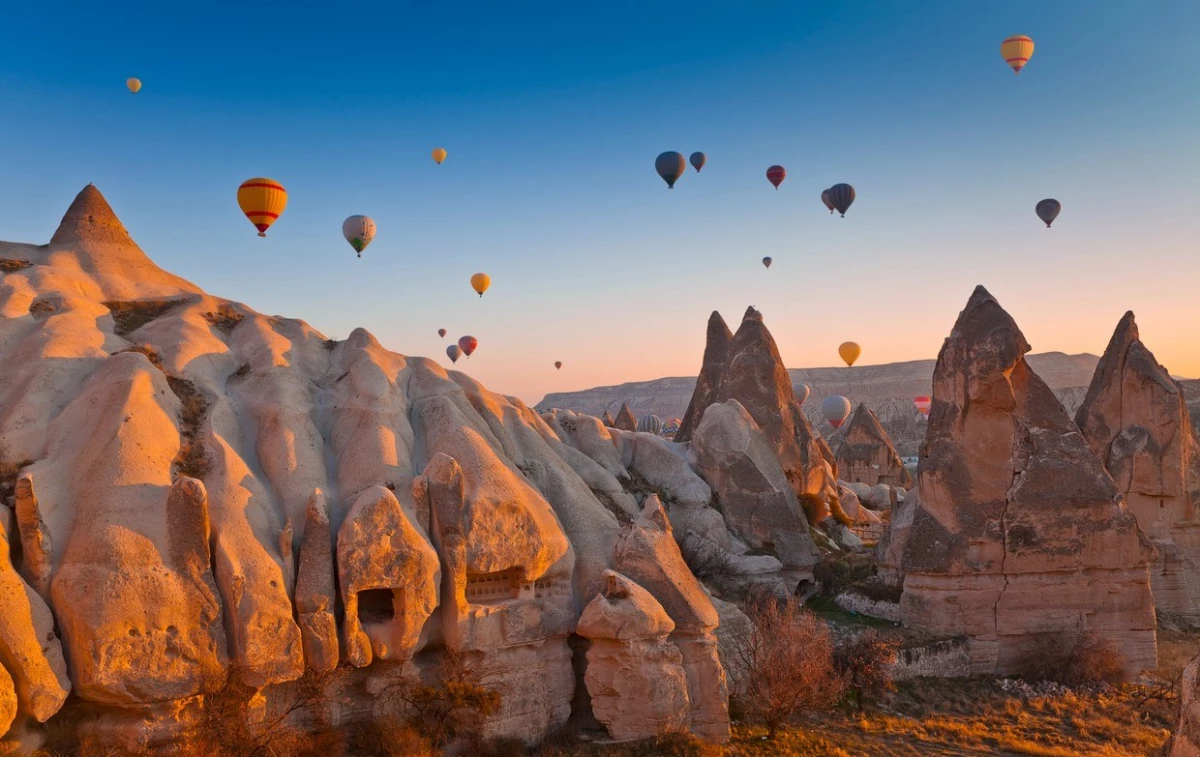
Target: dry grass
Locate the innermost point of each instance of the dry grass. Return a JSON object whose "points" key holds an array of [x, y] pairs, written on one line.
{"points": [[9, 265], [129, 316], [192, 459], [225, 319], [150, 353], [1072, 658]]}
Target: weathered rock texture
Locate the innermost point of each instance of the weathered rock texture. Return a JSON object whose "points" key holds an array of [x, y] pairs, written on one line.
{"points": [[625, 419], [634, 675], [712, 371], [1136, 420], [1019, 531], [1185, 741], [751, 371], [866, 454], [202, 487]]}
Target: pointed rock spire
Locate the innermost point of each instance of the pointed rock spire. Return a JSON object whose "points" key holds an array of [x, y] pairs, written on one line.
{"points": [[867, 455], [708, 384], [625, 420], [90, 219], [608, 420]]}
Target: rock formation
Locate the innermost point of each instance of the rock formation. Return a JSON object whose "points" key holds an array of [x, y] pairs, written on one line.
{"points": [[751, 372], [1136, 420], [625, 420], [712, 371], [866, 454], [634, 675], [608, 420], [1185, 741], [1019, 531], [199, 488]]}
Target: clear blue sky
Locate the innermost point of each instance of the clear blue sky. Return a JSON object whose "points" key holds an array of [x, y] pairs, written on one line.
{"points": [[553, 113]]}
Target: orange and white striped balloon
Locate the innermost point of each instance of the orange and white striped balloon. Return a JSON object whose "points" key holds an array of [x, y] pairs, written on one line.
{"points": [[1017, 50], [263, 201]]}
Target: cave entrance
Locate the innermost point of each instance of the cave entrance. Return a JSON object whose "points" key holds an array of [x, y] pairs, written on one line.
{"points": [[376, 606]]}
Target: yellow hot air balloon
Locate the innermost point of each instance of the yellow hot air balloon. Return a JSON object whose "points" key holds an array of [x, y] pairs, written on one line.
{"points": [[133, 84], [1017, 50], [262, 200], [480, 283], [849, 352], [439, 154]]}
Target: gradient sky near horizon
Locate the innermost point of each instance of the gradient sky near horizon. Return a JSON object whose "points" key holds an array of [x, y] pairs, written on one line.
{"points": [[553, 113]]}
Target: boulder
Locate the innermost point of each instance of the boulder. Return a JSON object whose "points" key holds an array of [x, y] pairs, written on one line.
{"points": [[889, 552], [752, 490], [867, 455], [661, 466], [1136, 420], [712, 370], [1020, 531], [635, 676]]}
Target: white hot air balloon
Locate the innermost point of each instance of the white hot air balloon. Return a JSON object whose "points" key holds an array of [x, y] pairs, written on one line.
{"points": [[359, 231]]}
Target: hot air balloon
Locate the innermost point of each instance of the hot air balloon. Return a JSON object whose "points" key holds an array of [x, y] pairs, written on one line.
{"points": [[828, 202], [1048, 210], [480, 283], [650, 424], [698, 159], [836, 410], [923, 404], [358, 231], [776, 175], [439, 154], [670, 166], [842, 196], [849, 352], [442, 333], [454, 352], [801, 391], [262, 200], [468, 344], [558, 364], [767, 262], [133, 84], [1017, 51]]}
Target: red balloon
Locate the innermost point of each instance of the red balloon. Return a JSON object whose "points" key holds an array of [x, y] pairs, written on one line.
{"points": [[776, 175], [468, 344]]}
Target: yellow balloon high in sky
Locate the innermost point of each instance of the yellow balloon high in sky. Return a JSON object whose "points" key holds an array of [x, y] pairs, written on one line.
{"points": [[849, 352], [439, 154], [133, 84], [480, 282], [1017, 50], [263, 201]]}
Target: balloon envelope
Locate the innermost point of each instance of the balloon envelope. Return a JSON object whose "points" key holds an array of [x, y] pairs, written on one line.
{"points": [[828, 202], [263, 201], [441, 332], [468, 344], [1048, 210], [842, 196], [439, 154], [849, 352], [698, 159], [359, 231], [454, 352], [836, 410], [776, 175], [558, 364], [670, 166], [802, 391], [923, 404], [480, 283], [133, 84], [767, 262], [650, 424], [1017, 50]]}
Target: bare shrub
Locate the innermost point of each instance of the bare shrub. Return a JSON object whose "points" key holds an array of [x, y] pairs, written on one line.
{"points": [[837, 573], [192, 459], [390, 737], [150, 352], [789, 664], [225, 319], [815, 508], [129, 316], [1073, 658], [9, 265], [454, 706], [864, 661]]}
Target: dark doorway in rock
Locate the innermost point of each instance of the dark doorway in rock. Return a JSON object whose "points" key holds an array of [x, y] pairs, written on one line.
{"points": [[376, 606]]}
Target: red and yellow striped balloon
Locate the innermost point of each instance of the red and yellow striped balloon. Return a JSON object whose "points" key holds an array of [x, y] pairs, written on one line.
{"points": [[1017, 50], [263, 201]]}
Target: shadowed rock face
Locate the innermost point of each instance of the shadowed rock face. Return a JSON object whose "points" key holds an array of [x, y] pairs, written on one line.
{"points": [[712, 371], [1019, 530], [866, 455], [625, 420], [1136, 420], [753, 374], [215, 487]]}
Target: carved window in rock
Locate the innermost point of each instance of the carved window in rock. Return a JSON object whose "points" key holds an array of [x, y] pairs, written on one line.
{"points": [[497, 587], [377, 606]]}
